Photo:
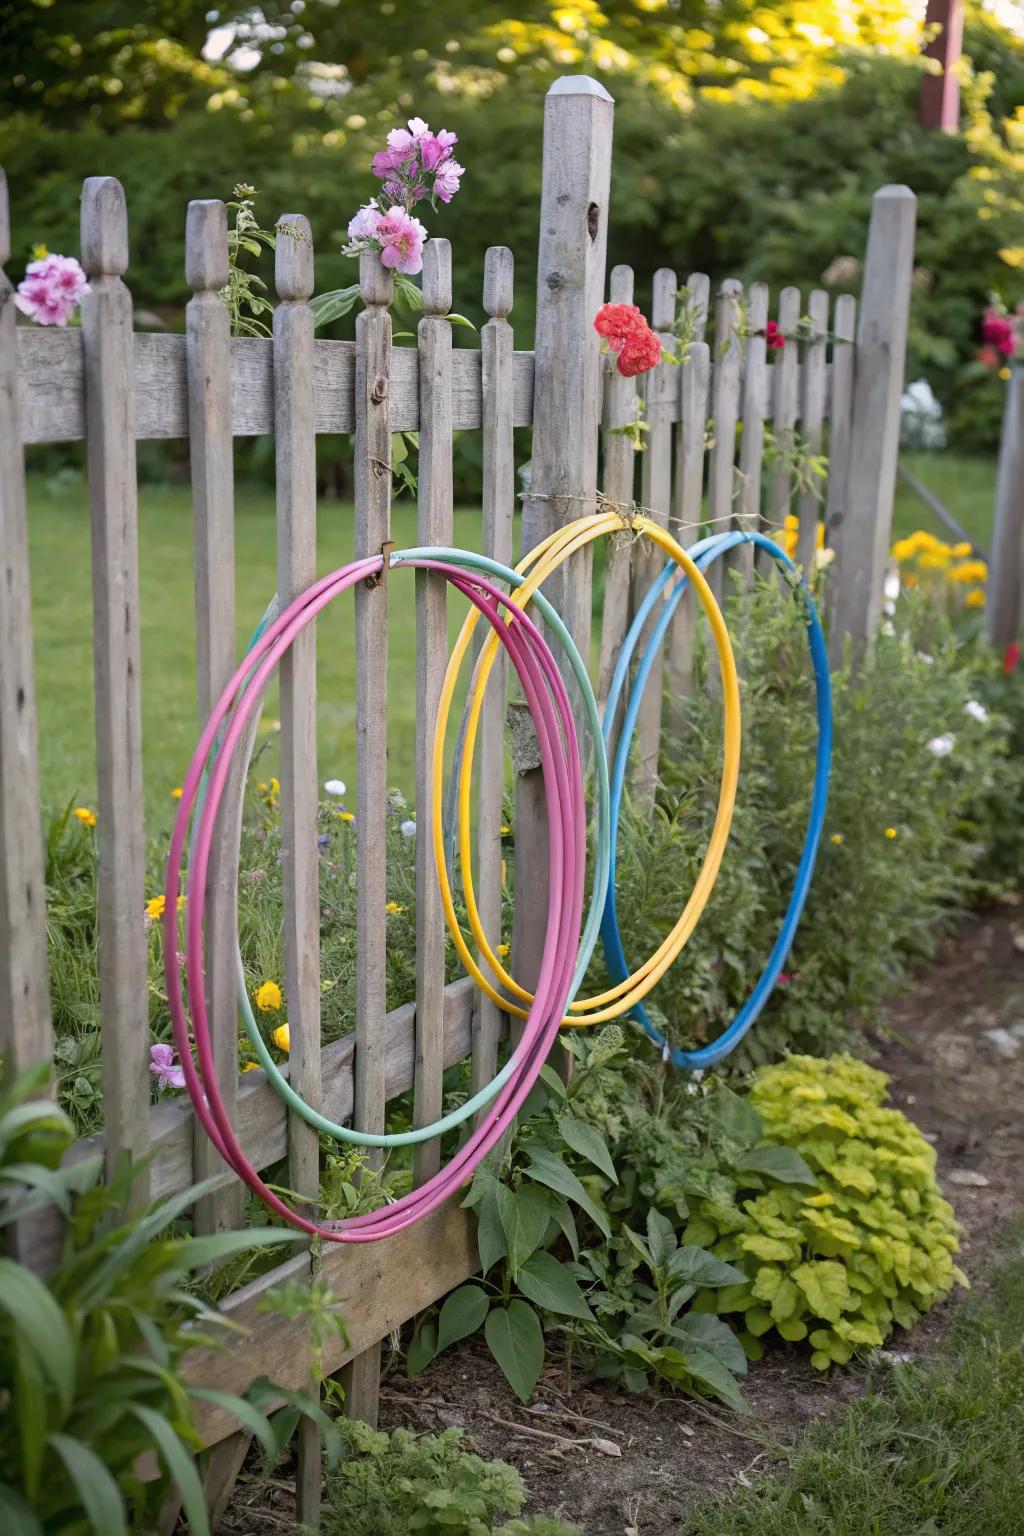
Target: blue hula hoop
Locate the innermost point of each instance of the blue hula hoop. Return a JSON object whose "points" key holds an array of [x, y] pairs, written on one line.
{"points": [[705, 553]]}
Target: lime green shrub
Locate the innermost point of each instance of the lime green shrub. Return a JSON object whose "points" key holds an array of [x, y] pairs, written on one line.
{"points": [[872, 1246]]}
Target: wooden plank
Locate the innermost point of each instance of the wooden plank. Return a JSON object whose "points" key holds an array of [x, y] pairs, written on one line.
{"points": [[377, 1287], [373, 514], [862, 531], [619, 465], [110, 440], [786, 403], [688, 497], [812, 416], [575, 183], [220, 1474], [748, 515], [1006, 575], [726, 373], [434, 526], [499, 489], [655, 496], [844, 322], [208, 346], [295, 446], [25, 1033], [50, 380]]}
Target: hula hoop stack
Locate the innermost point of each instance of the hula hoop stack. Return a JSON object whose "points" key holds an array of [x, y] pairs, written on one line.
{"points": [[570, 938]]}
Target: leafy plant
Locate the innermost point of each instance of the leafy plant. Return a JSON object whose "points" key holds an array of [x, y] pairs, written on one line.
{"points": [[90, 1356], [873, 1246], [244, 292], [389, 1484]]}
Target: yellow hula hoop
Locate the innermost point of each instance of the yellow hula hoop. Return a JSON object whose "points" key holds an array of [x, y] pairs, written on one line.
{"points": [[540, 563]]}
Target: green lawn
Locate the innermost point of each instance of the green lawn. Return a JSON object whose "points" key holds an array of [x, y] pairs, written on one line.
{"points": [[62, 610], [967, 486]]}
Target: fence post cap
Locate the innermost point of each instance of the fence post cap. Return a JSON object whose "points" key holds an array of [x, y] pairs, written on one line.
{"points": [[293, 258], [104, 230], [437, 277], [206, 244], [579, 85], [499, 269], [895, 192]]}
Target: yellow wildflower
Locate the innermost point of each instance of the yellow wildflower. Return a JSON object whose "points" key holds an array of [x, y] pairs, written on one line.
{"points": [[1005, 373], [837, 838], [282, 1038], [903, 550], [505, 831], [181, 903], [963, 549], [392, 908], [250, 1066], [968, 571], [176, 793], [39, 252], [503, 950], [155, 907], [890, 833], [275, 788], [975, 598], [346, 816], [935, 559], [791, 522], [85, 816], [268, 997]]}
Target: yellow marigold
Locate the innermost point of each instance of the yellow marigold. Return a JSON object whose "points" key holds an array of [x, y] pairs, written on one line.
{"points": [[837, 838], [975, 598], [250, 1066], [505, 831], [963, 549], [268, 997], [275, 788], [791, 521], [346, 816], [903, 550], [282, 1038], [155, 907], [392, 908], [503, 950], [85, 816], [935, 559], [890, 833], [176, 793], [968, 571]]}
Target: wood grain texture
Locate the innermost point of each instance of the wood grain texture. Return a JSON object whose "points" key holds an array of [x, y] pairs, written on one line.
{"points": [[784, 389], [499, 489], [748, 509], [1006, 578], [618, 481], [211, 465], [648, 559], [26, 1037], [687, 500], [434, 526], [812, 418], [726, 374], [373, 516], [110, 441], [862, 533], [844, 323]]}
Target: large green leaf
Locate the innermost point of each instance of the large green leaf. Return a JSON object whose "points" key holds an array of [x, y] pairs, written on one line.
{"points": [[524, 1214], [589, 1143], [700, 1331], [702, 1268], [548, 1169], [29, 1405], [422, 1347], [711, 1373], [16, 1519], [515, 1339], [42, 1325], [490, 1234], [549, 1284], [97, 1490], [248, 1416], [823, 1282], [331, 306], [462, 1313], [180, 1466], [781, 1163], [736, 1116]]}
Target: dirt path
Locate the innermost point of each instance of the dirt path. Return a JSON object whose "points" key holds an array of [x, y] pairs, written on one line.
{"points": [[624, 1466]]}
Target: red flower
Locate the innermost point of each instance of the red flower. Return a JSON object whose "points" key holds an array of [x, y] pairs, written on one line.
{"points": [[998, 330], [628, 334], [1011, 657], [989, 356], [774, 337]]}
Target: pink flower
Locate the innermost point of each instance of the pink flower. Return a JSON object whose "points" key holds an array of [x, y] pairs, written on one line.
{"points": [[401, 238], [364, 225], [436, 147], [164, 1067], [773, 336], [446, 182], [1011, 658], [51, 290], [627, 333], [998, 330]]}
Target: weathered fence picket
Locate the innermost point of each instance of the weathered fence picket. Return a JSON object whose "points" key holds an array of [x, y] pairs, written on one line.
{"points": [[837, 393]]}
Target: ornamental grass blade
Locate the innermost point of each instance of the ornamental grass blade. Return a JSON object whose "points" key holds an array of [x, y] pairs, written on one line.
{"points": [[97, 1490]]}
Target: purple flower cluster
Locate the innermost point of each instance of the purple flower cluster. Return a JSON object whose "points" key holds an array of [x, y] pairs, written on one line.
{"points": [[51, 289], [415, 165]]}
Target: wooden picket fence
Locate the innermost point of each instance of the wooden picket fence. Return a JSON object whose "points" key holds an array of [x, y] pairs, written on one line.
{"points": [[839, 386]]}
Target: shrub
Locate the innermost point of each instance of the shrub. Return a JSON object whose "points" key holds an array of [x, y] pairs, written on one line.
{"points": [[390, 1484], [872, 1247]]}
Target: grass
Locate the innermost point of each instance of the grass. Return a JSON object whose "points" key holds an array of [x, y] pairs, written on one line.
{"points": [[62, 615], [967, 486], [933, 1448]]}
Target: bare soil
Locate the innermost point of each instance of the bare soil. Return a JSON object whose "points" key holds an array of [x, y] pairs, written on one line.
{"points": [[625, 1466]]}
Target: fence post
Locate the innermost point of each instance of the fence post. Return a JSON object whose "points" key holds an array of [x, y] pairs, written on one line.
{"points": [[25, 1035], [862, 527], [1007, 556], [566, 407]]}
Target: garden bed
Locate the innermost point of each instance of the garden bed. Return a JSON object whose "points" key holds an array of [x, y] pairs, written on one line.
{"points": [[619, 1464]]}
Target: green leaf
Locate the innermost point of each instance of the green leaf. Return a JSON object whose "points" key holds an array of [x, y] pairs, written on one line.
{"points": [[29, 1404], [551, 1080], [702, 1268], [549, 1284], [454, 319], [462, 1313], [661, 1238], [515, 1339], [561, 1213], [250, 1418], [823, 1282], [42, 1325], [407, 292], [180, 1467], [737, 1118], [699, 1331], [589, 1143], [16, 1519], [422, 1347], [781, 1163], [524, 1213], [711, 1373], [202, 1251], [332, 306], [548, 1169], [100, 1495], [490, 1234]]}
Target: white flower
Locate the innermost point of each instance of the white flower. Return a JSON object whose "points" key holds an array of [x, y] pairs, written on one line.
{"points": [[976, 711], [823, 558], [926, 660], [942, 746], [892, 585], [335, 787], [408, 829]]}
